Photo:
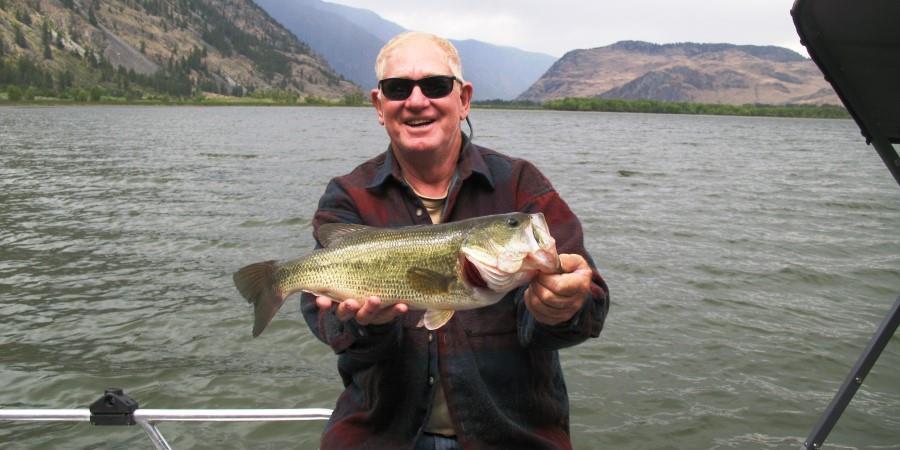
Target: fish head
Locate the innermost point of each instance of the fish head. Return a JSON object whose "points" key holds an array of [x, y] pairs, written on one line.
{"points": [[508, 250]]}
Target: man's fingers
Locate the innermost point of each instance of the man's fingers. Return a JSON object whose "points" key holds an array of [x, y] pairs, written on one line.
{"points": [[324, 303], [571, 262], [368, 311], [347, 309]]}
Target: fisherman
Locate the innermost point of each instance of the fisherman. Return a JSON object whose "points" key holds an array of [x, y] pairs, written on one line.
{"points": [[491, 377]]}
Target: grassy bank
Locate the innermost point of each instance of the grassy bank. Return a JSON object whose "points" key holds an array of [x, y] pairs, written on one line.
{"points": [[653, 106]]}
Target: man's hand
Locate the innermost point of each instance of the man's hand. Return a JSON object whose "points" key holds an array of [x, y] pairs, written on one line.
{"points": [[370, 312], [555, 298]]}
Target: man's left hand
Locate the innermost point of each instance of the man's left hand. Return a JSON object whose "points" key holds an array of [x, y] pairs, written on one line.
{"points": [[555, 298]]}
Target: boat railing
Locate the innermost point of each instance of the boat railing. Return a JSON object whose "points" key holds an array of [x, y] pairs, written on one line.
{"points": [[117, 408]]}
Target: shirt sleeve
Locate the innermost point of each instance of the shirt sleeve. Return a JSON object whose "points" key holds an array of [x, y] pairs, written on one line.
{"points": [[566, 229], [349, 339]]}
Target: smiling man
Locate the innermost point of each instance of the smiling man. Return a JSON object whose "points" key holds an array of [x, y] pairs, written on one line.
{"points": [[491, 377]]}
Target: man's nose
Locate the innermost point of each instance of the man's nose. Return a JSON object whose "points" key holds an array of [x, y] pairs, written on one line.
{"points": [[417, 98]]}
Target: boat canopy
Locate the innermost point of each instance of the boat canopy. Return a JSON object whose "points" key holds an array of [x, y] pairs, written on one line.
{"points": [[857, 46]]}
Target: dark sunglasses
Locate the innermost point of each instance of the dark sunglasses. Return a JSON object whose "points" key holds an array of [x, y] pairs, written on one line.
{"points": [[432, 87]]}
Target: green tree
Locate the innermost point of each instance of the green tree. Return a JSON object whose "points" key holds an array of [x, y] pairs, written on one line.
{"points": [[65, 80], [23, 17], [13, 93], [46, 36], [19, 36], [354, 99], [96, 93]]}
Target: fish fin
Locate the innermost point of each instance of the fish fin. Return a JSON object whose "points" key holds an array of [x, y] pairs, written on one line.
{"points": [[333, 233], [428, 281], [436, 318], [256, 283]]}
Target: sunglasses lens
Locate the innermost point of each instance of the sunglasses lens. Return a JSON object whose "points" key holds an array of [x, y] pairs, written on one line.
{"points": [[436, 87], [397, 88], [432, 87]]}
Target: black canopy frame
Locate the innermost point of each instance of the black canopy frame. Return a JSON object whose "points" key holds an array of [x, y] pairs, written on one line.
{"points": [[856, 44]]}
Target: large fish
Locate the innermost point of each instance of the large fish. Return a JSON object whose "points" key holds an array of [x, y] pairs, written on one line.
{"points": [[439, 268]]}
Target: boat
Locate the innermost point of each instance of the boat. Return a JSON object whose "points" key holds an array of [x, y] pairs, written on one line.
{"points": [[857, 47]]}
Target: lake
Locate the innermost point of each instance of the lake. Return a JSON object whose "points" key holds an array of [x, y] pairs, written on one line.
{"points": [[749, 262]]}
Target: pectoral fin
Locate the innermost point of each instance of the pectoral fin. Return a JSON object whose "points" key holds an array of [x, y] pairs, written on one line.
{"points": [[428, 281], [436, 318]]}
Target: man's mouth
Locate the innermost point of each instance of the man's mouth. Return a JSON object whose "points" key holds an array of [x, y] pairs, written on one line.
{"points": [[419, 122]]}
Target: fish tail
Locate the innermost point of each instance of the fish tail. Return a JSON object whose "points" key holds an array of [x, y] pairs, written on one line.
{"points": [[258, 285]]}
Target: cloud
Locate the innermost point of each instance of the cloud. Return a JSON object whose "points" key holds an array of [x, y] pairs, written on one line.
{"points": [[563, 25]]}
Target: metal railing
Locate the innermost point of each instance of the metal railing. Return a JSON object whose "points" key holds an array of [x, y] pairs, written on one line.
{"points": [[116, 408]]}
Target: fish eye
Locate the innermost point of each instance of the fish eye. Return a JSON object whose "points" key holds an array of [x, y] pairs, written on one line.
{"points": [[512, 222]]}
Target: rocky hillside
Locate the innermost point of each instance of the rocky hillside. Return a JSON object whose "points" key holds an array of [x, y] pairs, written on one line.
{"points": [[174, 47], [687, 72]]}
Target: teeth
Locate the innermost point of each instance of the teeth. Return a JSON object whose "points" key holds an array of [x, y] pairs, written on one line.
{"points": [[418, 122]]}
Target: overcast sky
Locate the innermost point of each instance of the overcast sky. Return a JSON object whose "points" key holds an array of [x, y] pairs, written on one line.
{"points": [[572, 24]]}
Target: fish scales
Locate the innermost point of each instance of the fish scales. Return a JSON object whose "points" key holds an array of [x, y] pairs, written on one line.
{"points": [[439, 268], [377, 262]]}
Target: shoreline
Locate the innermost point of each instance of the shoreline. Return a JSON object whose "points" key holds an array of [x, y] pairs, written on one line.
{"points": [[567, 104]]}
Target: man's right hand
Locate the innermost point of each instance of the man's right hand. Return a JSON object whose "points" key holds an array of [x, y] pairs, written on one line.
{"points": [[369, 312]]}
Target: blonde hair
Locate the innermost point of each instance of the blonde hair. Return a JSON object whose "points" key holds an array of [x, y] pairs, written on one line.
{"points": [[453, 60]]}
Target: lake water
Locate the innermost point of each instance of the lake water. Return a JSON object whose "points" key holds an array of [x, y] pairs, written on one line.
{"points": [[750, 260]]}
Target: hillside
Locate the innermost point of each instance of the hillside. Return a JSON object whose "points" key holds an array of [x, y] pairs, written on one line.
{"points": [[350, 38], [686, 72], [180, 48]]}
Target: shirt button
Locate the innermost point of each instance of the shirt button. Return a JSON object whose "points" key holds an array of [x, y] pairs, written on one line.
{"points": [[419, 212], [430, 337], [430, 381]]}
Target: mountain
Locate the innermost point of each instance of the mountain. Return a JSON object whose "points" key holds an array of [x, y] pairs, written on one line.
{"points": [[174, 47], [686, 72], [350, 38]]}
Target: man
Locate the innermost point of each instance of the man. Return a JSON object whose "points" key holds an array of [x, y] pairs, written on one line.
{"points": [[491, 377]]}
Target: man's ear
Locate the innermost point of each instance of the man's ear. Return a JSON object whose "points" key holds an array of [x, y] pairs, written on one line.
{"points": [[377, 103], [465, 98]]}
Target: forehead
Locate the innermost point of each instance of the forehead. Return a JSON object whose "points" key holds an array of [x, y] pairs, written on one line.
{"points": [[416, 58]]}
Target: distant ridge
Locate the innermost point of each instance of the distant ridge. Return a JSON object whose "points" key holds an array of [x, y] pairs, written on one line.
{"points": [[689, 72], [350, 38]]}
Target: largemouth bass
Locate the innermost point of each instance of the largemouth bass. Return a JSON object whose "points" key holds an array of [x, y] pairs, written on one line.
{"points": [[439, 268]]}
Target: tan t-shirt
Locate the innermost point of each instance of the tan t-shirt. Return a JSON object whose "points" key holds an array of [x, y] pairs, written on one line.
{"points": [[439, 422]]}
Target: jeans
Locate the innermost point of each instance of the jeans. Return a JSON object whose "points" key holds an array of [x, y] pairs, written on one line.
{"points": [[430, 441]]}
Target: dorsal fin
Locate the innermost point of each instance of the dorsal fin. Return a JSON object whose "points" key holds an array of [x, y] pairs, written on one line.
{"points": [[333, 233]]}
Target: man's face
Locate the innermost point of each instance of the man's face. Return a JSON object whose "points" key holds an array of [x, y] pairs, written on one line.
{"points": [[419, 123]]}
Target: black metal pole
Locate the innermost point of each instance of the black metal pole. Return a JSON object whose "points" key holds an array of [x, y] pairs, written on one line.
{"points": [[854, 379]]}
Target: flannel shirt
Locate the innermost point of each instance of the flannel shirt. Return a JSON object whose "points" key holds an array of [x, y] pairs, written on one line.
{"points": [[499, 368]]}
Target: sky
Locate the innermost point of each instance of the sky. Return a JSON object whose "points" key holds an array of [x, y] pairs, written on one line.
{"points": [[554, 27]]}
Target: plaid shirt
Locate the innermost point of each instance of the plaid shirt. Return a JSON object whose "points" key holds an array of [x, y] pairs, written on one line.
{"points": [[499, 368]]}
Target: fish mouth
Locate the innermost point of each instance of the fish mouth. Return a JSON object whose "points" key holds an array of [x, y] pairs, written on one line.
{"points": [[544, 257]]}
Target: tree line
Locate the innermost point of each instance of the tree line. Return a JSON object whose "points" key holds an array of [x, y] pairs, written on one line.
{"points": [[661, 107]]}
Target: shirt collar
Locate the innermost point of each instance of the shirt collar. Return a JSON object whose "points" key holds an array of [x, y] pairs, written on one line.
{"points": [[470, 163]]}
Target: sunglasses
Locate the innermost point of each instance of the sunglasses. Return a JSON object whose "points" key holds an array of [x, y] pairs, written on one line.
{"points": [[432, 87]]}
